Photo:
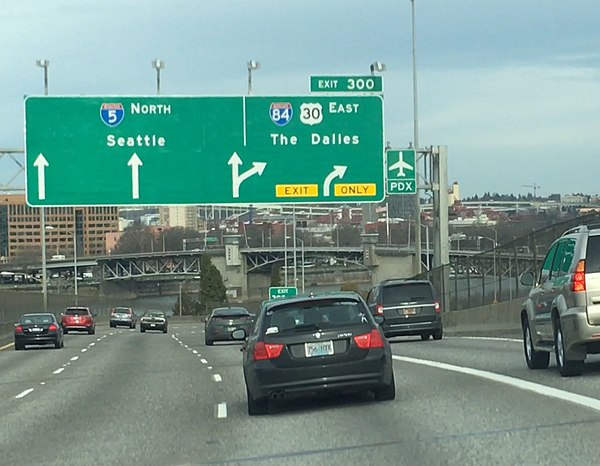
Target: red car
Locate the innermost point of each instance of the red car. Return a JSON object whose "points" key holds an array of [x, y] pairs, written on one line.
{"points": [[79, 319]]}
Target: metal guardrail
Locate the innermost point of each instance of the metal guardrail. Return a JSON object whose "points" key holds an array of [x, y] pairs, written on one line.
{"points": [[494, 276]]}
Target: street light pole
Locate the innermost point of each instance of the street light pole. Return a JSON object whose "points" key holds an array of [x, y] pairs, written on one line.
{"points": [[75, 259], [158, 65], [285, 270], [44, 64], [416, 145], [252, 65]]}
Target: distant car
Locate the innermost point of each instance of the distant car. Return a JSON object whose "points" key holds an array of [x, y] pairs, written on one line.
{"points": [[122, 316], [79, 319], [154, 320], [311, 344], [38, 329], [224, 320], [410, 307]]}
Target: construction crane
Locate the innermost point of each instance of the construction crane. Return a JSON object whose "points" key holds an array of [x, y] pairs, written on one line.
{"points": [[535, 188]]}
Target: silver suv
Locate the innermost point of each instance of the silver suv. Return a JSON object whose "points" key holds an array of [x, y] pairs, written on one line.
{"points": [[562, 310]]}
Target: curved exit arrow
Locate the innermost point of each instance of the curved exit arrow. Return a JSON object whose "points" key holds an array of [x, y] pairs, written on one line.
{"points": [[338, 172], [236, 178]]}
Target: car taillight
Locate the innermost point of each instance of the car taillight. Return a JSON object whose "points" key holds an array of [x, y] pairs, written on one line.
{"points": [[437, 307], [264, 350], [578, 279], [379, 309], [369, 340], [53, 328], [18, 329]]}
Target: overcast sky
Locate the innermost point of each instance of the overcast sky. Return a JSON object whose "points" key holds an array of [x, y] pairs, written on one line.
{"points": [[512, 87]]}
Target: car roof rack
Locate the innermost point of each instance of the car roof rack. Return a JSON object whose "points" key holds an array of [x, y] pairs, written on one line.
{"points": [[582, 228]]}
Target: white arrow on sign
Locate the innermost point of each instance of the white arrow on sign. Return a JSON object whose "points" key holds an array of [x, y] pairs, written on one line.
{"points": [[41, 163], [135, 163], [338, 172], [236, 178]]}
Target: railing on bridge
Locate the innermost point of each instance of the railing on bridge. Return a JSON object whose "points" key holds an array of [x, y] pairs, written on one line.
{"points": [[472, 280]]}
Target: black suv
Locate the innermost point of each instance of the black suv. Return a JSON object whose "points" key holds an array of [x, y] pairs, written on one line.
{"points": [[410, 307]]}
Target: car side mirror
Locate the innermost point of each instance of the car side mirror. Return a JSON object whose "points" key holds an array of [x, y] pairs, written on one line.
{"points": [[527, 279], [379, 319]]}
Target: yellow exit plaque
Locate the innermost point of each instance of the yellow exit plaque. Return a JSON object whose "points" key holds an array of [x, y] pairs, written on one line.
{"points": [[296, 190], [355, 189]]}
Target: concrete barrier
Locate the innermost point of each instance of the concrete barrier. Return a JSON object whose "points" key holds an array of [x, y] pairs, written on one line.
{"points": [[499, 318]]}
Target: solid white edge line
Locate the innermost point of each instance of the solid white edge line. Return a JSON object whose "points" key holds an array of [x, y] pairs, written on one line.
{"points": [[58, 371], [6, 346], [221, 410], [514, 340], [24, 393], [92, 344], [84, 350], [74, 358], [540, 389], [217, 378]]}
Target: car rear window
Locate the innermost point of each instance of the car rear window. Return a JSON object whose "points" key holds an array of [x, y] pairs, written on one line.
{"points": [[77, 312], [323, 314], [407, 293], [122, 310], [37, 319], [592, 262], [235, 312], [154, 314]]}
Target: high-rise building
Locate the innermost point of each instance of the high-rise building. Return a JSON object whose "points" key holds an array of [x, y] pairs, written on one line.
{"points": [[20, 228], [185, 216]]}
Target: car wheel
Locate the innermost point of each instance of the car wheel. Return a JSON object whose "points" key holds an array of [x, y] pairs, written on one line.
{"points": [[111, 325], [165, 330], [65, 331], [386, 393], [425, 336], [18, 347], [92, 331], [534, 359], [57, 344], [565, 367], [132, 326], [257, 407], [142, 329], [208, 342], [62, 343], [438, 334]]}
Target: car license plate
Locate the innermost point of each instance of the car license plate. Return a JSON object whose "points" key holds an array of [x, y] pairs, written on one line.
{"points": [[152, 325], [409, 311], [230, 329], [36, 329], [319, 348]]}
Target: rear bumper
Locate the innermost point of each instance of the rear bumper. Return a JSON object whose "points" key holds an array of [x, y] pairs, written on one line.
{"points": [[121, 322], [222, 334], [153, 326], [36, 340], [398, 328], [78, 327], [265, 380]]}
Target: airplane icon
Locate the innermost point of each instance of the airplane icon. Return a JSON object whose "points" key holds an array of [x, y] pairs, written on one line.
{"points": [[401, 165]]}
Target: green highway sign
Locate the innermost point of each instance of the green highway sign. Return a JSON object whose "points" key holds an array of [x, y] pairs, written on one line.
{"points": [[203, 150], [401, 175], [359, 84], [282, 292]]}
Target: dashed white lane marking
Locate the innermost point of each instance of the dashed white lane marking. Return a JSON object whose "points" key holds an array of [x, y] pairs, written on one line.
{"points": [[221, 410], [27, 392], [193, 331], [186, 346], [84, 350], [217, 378], [58, 371], [540, 389], [111, 333], [42, 383], [203, 361], [92, 344], [209, 368], [98, 339], [514, 340], [195, 351], [74, 358]]}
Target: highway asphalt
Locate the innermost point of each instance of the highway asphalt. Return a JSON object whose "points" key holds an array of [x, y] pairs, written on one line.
{"points": [[126, 398]]}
